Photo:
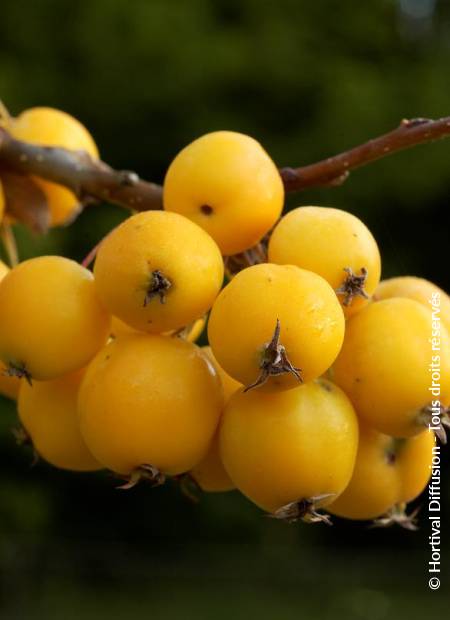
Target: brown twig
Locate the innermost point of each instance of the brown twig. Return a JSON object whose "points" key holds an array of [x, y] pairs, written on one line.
{"points": [[335, 170], [87, 178], [95, 180]]}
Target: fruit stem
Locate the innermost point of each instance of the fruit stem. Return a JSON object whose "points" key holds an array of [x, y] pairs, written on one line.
{"points": [[9, 243], [274, 361], [353, 286]]}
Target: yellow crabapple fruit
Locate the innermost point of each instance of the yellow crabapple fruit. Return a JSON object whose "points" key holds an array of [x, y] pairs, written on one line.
{"points": [[51, 320], [158, 271], [149, 404], [336, 245], [49, 415], [386, 365], [50, 127], [226, 183], [420, 290], [388, 472], [292, 451], [276, 325]]}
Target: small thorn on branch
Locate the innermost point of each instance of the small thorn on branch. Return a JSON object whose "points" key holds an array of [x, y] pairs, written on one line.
{"points": [[274, 361], [128, 178]]}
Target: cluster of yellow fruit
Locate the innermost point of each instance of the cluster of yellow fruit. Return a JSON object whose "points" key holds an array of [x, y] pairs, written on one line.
{"points": [[315, 390]]}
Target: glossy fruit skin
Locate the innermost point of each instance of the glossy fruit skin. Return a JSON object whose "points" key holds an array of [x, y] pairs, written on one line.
{"points": [[9, 386], [226, 183], [243, 319], [48, 413], [384, 365], [149, 400], [387, 472], [165, 242], [51, 127], [210, 473], [51, 320], [287, 446], [326, 241], [418, 289]]}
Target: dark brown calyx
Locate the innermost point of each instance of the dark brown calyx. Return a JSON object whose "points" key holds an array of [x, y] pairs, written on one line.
{"points": [[393, 449], [18, 370], [436, 418], [353, 286], [304, 510], [144, 472], [274, 361], [159, 285], [397, 516]]}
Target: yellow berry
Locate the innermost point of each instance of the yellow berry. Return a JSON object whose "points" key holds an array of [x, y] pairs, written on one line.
{"points": [[51, 320], [244, 318], [226, 183], [48, 412], [158, 271], [50, 127], [290, 446], [328, 242], [149, 400], [385, 365]]}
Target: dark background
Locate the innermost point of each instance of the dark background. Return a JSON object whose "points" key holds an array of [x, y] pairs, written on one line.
{"points": [[307, 79]]}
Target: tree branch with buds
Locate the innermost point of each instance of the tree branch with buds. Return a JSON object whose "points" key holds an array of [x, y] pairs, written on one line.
{"points": [[93, 180]]}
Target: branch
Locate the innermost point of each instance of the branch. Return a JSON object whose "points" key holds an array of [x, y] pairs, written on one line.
{"points": [[335, 170], [87, 178], [93, 180]]}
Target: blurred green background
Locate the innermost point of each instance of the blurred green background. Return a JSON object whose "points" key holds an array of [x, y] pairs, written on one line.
{"points": [[308, 79]]}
